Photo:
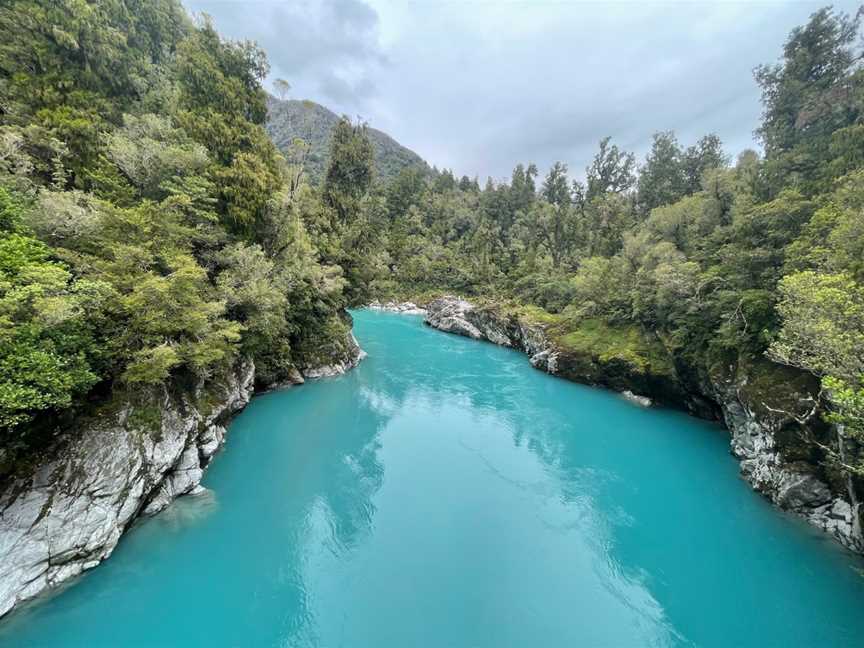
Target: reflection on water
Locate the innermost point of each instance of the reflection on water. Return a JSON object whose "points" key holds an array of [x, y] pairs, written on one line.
{"points": [[188, 511], [446, 494]]}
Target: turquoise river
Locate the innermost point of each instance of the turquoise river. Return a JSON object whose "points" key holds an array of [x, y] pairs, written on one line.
{"points": [[446, 494]]}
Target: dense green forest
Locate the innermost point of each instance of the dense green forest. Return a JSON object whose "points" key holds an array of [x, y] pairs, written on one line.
{"points": [[147, 229], [150, 230]]}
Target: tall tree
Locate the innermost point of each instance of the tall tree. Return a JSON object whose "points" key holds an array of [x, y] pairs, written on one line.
{"points": [[662, 180], [706, 154], [556, 186], [817, 89], [522, 187], [807, 95], [350, 170], [282, 88], [612, 170]]}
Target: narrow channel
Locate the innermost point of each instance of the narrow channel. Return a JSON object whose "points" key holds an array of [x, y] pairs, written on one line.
{"points": [[445, 493]]}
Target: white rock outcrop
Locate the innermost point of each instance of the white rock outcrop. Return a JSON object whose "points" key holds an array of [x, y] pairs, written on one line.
{"points": [[70, 513], [642, 401], [404, 308]]}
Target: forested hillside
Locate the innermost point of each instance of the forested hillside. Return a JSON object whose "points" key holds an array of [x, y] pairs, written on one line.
{"points": [[148, 233], [301, 131]]}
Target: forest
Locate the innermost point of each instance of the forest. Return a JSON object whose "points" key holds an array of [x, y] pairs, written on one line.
{"points": [[147, 231], [150, 232]]}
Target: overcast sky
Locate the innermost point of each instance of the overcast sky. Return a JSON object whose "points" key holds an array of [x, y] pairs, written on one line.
{"points": [[480, 86]]}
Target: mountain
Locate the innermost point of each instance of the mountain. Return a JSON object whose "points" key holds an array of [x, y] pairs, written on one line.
{"points": [[312, 122]]}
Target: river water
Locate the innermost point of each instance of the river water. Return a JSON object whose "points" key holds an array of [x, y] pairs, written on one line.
{"points": [[447, 494]]}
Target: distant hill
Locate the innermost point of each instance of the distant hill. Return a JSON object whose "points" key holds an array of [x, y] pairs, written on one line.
{"points": [[312, 122]]}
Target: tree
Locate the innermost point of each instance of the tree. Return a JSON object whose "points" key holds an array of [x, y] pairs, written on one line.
{"points": [[804, 96], [831, 241], [556, 186], [404, 190], [661, 178], [611, 171], [282, 88], [149, 150], [350, 169], [706, 154], [823, 324], [146, 228], [814, 91], [522, 187], [604, 222], [553, 227], [823, 332], [48, 326]]}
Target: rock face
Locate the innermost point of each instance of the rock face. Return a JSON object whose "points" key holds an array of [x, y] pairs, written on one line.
{"points": [[69, 513], [768, 422], [459, 316], [338, 365], [405, 308], [642, 401], [768, 435]]}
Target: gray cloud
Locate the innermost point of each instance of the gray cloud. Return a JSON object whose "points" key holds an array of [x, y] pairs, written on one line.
{"points": [[327, 49], [480, 86]]}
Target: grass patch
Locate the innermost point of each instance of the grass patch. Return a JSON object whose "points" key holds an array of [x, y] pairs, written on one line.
{"points": [[536, 315], [607, 342]]}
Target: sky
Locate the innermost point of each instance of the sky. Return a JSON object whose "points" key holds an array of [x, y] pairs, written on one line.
{"points": [[479, 86]]}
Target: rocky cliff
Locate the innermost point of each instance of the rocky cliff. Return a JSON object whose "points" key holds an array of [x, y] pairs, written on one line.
{"points": [[771, 412], [68, 513]]}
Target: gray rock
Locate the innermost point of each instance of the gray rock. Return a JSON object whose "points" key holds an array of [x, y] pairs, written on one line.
{"points": [[796, 491], [403, 308], [209, 442], [352, 357], [68, 516], [642, 401]]}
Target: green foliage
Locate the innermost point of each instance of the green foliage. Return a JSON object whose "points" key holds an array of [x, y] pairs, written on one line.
{"points": [[722, 263], [705, 155], [662, 178], [47, 335], [10, 211], [612, 171], [144, 230], [832, 239], [149, 151], [627, 344], [823, 324], [814, 92], [848, 414], [350, 170], [149, 229], [152, 365], [73, 66]]}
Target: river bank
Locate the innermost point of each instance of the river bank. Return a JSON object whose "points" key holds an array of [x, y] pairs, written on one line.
{"points": [[67, 513], [769, 410]]}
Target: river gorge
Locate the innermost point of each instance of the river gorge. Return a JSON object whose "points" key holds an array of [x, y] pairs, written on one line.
{"points": [[444, 493]]}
